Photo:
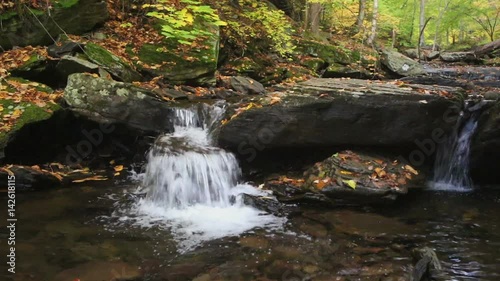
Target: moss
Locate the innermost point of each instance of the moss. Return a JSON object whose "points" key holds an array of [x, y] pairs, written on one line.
{"points": [[7, 15], [65, 3], [314, 64], [175, 67], [31, 113], [111, 62], [327, 52]]}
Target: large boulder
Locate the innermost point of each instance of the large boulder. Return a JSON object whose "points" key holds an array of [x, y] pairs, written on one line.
{"points": [[340, 112], [195, 66], [485, 147], [401, 64], [22, 104], [73, 17], [108, 101], [112, 63]]}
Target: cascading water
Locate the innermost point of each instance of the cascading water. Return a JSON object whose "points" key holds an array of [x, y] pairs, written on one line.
{"points": [[192, 186], [451, 169]]}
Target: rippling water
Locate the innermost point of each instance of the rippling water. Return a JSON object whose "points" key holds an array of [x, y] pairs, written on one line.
{"points": [[67, 234]]}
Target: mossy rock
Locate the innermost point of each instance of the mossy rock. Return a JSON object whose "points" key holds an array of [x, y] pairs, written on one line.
{"points": [[327, 52], [34, 66], [112, 63], [314, 64], [193, 65], [72, 16], [31, 113]]}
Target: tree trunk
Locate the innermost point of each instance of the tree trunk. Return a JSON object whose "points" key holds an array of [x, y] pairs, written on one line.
{"points": [[437, 34], [413, 19], [421, 38], [361, 15], [373, 33], [314, 17]]}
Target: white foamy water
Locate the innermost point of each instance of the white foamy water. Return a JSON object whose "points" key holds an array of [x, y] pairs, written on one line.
{"points": [[193, 187]]}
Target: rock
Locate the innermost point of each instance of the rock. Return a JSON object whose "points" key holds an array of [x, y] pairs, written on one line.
{"points": [[361, 178], [339, 71], [329, 53], [411, 53], [108, 101], [427, 264], [336, 112], [458, 57], [69, 65], [199, 69], [432, 55], [314, 64], [243, 85], [400, 64], [485, 147], [113, 64], [255, 242], [29, 112], [268, 205], [29, 178], [491, 49], [101, 270], [74, 17], [68, 48]]}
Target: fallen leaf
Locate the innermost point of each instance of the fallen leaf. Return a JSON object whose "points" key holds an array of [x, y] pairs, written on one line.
{"points": [[350, 183], [118, 168], [94, 178], [411, 170]]}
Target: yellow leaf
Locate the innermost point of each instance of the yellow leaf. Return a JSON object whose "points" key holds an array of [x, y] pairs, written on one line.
{"points": [[346, 173], [94, 178], [275, 100], [350, 183], [117, 174], [118, 168], [411, 170]]}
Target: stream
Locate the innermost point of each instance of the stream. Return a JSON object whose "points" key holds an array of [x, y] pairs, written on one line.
{"points": [[63, 232], [184, 219]]}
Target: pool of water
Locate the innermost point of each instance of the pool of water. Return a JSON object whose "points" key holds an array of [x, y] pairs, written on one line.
{"points": [[71, 234]]}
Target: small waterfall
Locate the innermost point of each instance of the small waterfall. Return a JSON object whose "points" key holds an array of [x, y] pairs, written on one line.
{"points": [[192, 186], [451, 168]]}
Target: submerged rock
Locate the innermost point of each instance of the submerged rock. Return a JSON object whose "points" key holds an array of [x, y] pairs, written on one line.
{"points": [[101, 270], [29, 178], [108, 101]]}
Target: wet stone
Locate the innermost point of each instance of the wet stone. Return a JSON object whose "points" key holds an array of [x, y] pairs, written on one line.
{"points": [[254, 242]]}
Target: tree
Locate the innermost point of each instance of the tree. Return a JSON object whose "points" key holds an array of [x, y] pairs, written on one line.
{"points": [[361, 15], [421, 37], [442, 11], [373, 32], [488, 18]]}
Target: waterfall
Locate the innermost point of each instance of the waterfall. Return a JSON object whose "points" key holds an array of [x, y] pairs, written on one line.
{"points": [[193, 187], [451, 168]]}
